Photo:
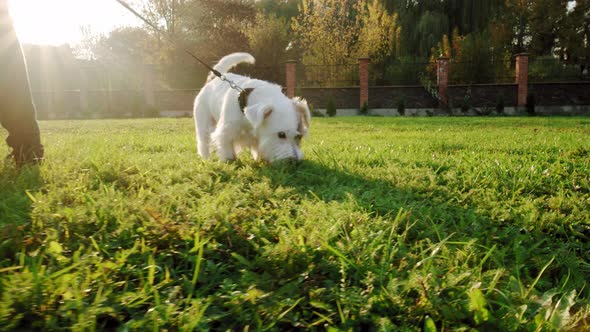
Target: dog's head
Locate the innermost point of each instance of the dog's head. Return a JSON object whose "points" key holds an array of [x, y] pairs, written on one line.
{"points": [[279, 126]]}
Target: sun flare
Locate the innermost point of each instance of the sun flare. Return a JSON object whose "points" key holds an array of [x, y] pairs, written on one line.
{"points": [[60, 22]]}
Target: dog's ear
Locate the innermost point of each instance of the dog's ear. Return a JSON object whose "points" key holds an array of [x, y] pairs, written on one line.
{"points": [[304, 115], [257, 113]]}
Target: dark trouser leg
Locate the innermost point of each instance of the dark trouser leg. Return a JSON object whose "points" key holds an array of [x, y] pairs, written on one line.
{"points": [[17, 112]]}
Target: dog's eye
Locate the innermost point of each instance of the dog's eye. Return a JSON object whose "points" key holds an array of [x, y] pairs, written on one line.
{"points": [[282, 135]]}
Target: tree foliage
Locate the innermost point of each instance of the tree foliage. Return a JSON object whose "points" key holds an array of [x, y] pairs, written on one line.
{"points": [[380, 33], [334, 32], [327, 31], [268, 38]]}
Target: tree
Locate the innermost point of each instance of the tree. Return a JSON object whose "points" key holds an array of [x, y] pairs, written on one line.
{"points": [[424, 23], [430, 29], [51, 68], [268, 38], [379, 37], [472, 16], [380, 34], [169, 16], [547, 18], [327, 31], [216, 28], [284, 8], [573, 38], [125, 45], [197, 25]]}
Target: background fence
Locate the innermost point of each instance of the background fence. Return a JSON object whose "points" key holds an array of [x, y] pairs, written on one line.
{"points": [[402, 71], [342, 75], [547, 69], [129, 90], [492, 72]]}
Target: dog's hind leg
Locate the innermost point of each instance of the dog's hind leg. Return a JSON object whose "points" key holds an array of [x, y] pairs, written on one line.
{"points": [[204, 125]]}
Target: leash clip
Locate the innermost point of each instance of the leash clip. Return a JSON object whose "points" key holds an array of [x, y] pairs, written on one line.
{"points": [[231, 84]]}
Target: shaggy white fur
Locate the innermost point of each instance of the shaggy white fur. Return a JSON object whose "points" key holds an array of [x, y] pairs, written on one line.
{"points": [[271, 126]]}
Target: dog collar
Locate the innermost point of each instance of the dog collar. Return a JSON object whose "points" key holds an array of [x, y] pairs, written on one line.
{"points": [[243, 98]]}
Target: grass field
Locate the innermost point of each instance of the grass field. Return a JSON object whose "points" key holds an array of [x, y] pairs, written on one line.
{"points": [[389, 224]]}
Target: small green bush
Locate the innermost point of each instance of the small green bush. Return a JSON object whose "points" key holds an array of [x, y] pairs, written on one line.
{"points": [[500, 104], [483, 111], [331, 109], [314, 112], [530, 104], [401, 106], [364, 109], [466, 102], [151, 112]]}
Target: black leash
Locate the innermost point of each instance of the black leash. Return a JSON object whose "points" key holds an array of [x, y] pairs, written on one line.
{"points": [[242, 97]]}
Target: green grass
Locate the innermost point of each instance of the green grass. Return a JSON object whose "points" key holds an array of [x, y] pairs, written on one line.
{"points": [[389, 224]]}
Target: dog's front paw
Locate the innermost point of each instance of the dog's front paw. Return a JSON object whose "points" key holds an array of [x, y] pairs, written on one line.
{"points": [[227, 157]]}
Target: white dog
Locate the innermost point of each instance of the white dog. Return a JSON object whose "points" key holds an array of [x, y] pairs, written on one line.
{"points": [[269, 123]]}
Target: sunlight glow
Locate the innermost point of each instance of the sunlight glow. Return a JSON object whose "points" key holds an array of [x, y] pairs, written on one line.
{"points": [[58, 22]]}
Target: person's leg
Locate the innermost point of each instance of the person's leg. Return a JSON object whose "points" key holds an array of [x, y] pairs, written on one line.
{"points": [[17, 111]]}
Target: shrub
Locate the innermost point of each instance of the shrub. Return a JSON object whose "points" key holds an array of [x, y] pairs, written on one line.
{"points": [[151, 112], [466, 102], [364, 109], [88, 112], [136, 106], [500, 104], [447, 107], [483, 111], [314, 112], [401, 106], [530, 104], [331, 109]]}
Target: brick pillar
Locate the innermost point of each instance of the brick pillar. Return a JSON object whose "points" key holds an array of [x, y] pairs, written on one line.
{"points": [[291, 77], [522, 74], [364, 80], [148, 86], [442, 79]]}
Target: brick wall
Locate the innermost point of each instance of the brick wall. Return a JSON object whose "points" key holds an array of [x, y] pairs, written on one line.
{"points": [[412, 96], [482, 95], [560, 94], [343, 97]]}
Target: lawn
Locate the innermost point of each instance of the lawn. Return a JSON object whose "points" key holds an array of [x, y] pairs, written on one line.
{"points": [[389, 224]]}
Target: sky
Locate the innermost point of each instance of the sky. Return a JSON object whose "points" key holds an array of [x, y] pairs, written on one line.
{"points": [[58, 22]]}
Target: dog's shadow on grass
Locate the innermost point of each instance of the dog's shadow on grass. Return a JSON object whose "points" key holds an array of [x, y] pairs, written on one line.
{"points": [[16, 186], [432, 214], [433, 220], [432, 211], [316, 180]]}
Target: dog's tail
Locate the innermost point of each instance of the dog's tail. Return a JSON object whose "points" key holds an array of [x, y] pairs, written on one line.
{"points": [[229, 61]]}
